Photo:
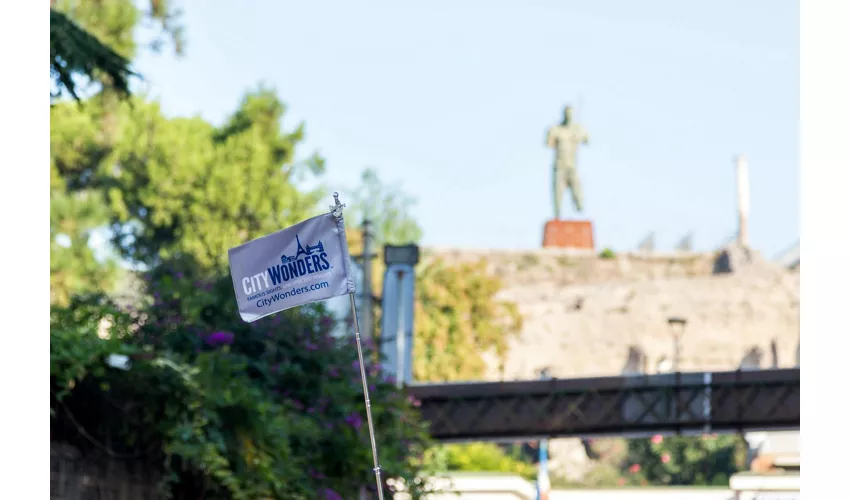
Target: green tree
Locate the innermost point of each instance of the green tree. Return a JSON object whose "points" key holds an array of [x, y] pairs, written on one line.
{"points": [[180, 188], [186, 190], [388, 207], [685, 460], [458, 317], [93, 41], [76, 210], [75, 53]]}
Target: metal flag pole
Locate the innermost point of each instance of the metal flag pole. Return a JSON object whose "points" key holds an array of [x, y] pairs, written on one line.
{"points": [[337, 212], [366, 399]]}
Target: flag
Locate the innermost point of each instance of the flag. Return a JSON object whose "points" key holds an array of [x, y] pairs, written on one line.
{"points": [[305, 263]]}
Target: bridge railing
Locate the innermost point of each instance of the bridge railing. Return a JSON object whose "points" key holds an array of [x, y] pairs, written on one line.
{"points": [[630, 405]]}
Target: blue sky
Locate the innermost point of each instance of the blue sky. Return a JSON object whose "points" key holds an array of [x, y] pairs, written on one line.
{"points": [[453, 99]]}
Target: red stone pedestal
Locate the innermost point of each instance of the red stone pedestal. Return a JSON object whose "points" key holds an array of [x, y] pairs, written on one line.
{"points": [[568, 234]]}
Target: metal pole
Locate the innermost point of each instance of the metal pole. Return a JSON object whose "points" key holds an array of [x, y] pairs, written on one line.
{"points": [[377, 468], [675, 352], [543, 484], [367, 279], [399, 337]]}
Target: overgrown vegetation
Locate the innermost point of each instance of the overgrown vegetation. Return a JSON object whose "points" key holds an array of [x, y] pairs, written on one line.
{"points": [[607, 253], [268, 410]]}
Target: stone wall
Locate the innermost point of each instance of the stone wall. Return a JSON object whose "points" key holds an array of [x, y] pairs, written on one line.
{"points": [[75, 477], [583, 314]]}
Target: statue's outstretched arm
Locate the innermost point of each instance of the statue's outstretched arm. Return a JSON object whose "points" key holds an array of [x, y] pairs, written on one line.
{"points": [[550, 139]]}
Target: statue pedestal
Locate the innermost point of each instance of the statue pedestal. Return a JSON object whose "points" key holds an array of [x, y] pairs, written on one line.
{"points": [[568, 234]]}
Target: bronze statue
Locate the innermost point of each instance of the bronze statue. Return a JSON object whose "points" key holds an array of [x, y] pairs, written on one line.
{"points": [[566, 138]]}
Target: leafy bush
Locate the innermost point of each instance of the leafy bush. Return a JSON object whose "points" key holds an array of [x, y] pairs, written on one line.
{"points": [[708, 460], [607, 253], [479, 457], [268, 410]]}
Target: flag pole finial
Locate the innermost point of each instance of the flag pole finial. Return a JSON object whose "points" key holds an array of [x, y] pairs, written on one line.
{"points": [[336, 208]]}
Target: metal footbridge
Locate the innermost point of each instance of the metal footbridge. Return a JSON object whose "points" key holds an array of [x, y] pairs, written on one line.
{"points": [[679, 403]]}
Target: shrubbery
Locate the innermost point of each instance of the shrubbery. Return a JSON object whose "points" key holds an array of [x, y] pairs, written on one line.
{"points": [[268, 410]]}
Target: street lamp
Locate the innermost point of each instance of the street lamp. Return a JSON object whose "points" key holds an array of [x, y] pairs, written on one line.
{"points": [[677, 329], [401, 254]]}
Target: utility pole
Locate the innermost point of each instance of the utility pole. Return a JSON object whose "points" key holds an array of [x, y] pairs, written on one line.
{"points": [[367, 297]]}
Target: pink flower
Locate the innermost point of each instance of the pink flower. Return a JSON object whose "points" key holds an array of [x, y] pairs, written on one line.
{"points": [[657, 439], [665, 458], [634, 469], [621, 481]]}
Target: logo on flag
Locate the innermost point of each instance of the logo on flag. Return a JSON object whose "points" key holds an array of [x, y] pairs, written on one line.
{"points": [[305, 263]]}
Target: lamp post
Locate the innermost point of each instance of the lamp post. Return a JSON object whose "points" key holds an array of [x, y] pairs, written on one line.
{"points": [[543, 485], [677, 329], [366, 315], [396, 332]]}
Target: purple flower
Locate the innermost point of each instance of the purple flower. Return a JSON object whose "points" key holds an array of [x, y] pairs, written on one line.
{"points": [[326, 322], [354, 420], [219, 338], [331, 495], [356, 365], [333, 372], [311, 346], [180, 276]]}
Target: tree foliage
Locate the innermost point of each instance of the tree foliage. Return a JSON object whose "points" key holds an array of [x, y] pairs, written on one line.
{"points": [[388, 207], [91, 41], [224, 409], [74, 52], [684, 460], [459, 319], [268, 410], [480, 457], [95, 41], [76, 211], [172, 188]]}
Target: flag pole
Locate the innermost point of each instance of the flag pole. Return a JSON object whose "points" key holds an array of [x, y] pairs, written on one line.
{"points": [[337, 212], [366, 399]]}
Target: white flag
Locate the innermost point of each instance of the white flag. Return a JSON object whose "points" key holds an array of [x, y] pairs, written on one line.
{"points": [[305, 263]]}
